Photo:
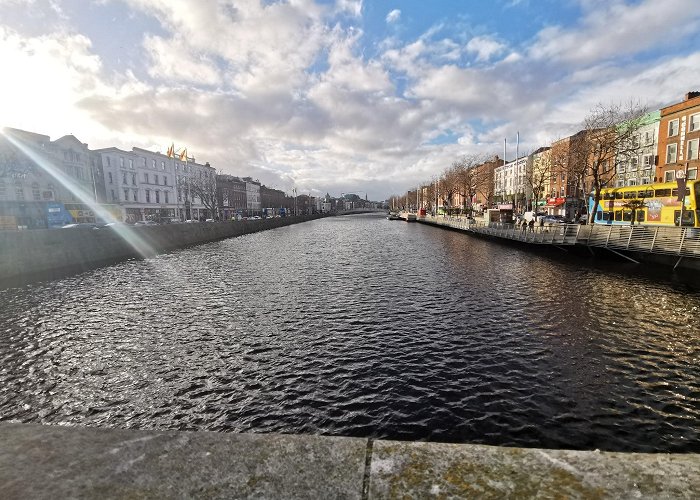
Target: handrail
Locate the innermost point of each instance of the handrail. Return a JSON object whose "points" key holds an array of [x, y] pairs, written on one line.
{"points": [[683, 242]]}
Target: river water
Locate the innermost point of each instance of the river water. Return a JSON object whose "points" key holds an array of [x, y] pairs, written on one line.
{"points": [[360, 326]]}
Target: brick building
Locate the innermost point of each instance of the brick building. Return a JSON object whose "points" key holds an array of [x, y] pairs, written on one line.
{"points": [[679, 135]]}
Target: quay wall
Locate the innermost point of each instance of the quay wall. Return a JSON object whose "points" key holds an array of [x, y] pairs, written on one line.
{"points": [[582, 251], [27, 256], [49, 462]]}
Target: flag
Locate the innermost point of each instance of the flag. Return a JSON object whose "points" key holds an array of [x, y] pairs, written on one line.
{"points": [[171, 151], [183, 155]]}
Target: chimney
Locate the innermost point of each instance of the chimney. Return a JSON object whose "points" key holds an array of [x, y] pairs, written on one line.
{"points": [[691, 95]]}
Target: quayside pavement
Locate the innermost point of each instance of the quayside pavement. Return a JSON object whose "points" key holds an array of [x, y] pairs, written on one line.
{"points": [[68, 462]]}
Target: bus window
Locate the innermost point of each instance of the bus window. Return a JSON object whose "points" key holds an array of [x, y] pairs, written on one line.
{"points": [[675, 192], [598, 215], [608, 216], [640, 215], [618, 196], [618, 215], [661, 193], [688, 217], [608, 195], [649, 193], [630, 194], [626, 215]]}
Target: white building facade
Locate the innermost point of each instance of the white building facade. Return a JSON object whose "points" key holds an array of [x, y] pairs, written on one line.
{"points": [[252, 191], [510, 183], [641, 168], [151, 186]]}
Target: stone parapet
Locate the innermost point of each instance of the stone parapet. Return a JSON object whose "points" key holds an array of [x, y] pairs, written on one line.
{"points": [[61, 462]]}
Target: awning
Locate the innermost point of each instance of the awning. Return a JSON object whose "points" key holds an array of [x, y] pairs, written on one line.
{"points": [[555, 202]]}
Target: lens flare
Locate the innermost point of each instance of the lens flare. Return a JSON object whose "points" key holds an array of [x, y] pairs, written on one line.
{"points": [[125, 232]]}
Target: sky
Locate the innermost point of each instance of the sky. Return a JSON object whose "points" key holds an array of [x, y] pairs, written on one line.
{"points": [[339, 96]]}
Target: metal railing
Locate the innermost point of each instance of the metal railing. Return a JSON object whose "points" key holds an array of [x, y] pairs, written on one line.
{"points": [[683, 242]]}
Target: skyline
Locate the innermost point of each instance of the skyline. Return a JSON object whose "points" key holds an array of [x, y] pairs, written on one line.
{"points": [[336, 96]]}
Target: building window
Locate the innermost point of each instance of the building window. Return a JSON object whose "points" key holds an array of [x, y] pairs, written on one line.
{"points": [[648, 138], [136, 195], [669, 176], [109, 174], [131, 164], [133, 179], [692, 174], [634, 163], [109, 163], [114, 195], [126, 195], [692, 149], [35, 191], [648, 161], [145, 177], [156, 181], [148, 195], [162, 165], [121, 161], [673, 127], [166, 197], [165, 181], [157, 196], [645, 180], [621, 168], [671, 151], [124, 178], [153, 164], [694, 123]]}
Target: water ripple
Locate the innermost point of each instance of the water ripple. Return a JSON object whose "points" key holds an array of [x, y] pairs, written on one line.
{"points": [[364, 327]]}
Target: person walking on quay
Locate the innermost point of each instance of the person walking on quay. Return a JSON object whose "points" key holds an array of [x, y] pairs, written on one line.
{"points": [[523, 225], [531, 225]]}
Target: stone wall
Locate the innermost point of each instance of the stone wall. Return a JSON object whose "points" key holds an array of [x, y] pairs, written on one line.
{"points": [[60, 462], [27, 256]]}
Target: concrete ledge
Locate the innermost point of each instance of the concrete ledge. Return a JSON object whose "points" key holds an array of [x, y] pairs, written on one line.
{"points": [[40, 254], [61, 462]]}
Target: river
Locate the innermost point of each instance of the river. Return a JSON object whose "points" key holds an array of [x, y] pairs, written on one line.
{"points": [[360, 326]]}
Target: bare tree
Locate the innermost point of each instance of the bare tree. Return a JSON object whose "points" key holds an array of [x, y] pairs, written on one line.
{"points": [[634, 206], [538, 173], [466, 172], [204, 188], [448, 187], [609, 138]]}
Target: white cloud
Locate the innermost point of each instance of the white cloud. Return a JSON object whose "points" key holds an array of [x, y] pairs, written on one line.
{"points": [[484, 47], [393, 16], [50, 74], [285, 91], [637, 27], [352, 7]]}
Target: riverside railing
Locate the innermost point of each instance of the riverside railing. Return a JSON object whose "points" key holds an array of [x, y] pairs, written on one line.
{"points": [[682, 242]]}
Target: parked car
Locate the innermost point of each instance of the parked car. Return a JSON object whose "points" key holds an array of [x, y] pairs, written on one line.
{"points": [[84, 225], [555, 219]]}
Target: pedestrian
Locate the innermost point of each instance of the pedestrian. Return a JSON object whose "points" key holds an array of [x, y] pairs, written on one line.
{"points": [[531, 225]]}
